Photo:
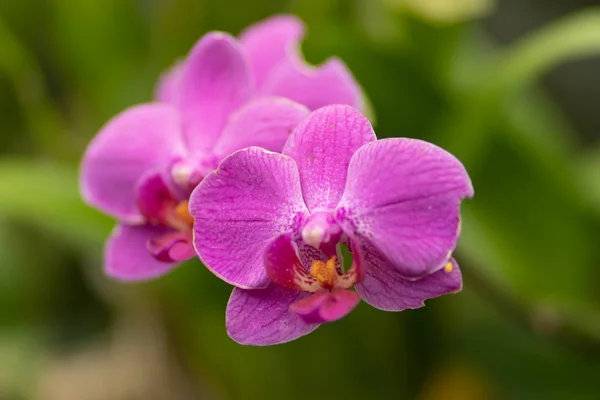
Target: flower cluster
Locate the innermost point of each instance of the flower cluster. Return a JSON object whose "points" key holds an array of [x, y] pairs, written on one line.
{"points": [[266, 170], [227, 94]]}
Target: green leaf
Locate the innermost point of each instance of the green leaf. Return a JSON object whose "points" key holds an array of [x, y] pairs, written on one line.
{"points": [[444, 11], [467, 132], [46, 195], [22, 70], [588, 173], [575, 36]]}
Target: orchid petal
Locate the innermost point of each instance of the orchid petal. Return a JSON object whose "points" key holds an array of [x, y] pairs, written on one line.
{"points": [[143, 138], [403, 196], [261, 317], [315, 87], [384, 288], [127, 257], [265, 123], [268, 42], [154, 198], [325, 306], [322, 146], [253, 197], [285, 268], [172, 247], [167, 88], [214, 82]]}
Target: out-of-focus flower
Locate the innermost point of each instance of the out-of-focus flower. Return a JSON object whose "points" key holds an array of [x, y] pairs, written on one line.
{"points": [[226, 95], [272, 224]]}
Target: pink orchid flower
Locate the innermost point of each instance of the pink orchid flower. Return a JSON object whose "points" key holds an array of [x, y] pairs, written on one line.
{"points": [[226, 95], [272, 225]]}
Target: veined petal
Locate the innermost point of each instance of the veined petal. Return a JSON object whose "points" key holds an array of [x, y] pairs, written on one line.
{"points": [[142, 138], [214, 82], [326, 306], [315, 87], [403, 196], [127, 257], [267, 43], [265, 122], [285, 268], [384, 288], [261, 317], [322, 146], [253, 197]]}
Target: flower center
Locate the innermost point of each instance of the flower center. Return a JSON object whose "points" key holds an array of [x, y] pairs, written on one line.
{"points": [[179, 218], [183, 213], [329, 287], [325, 272], [321, 229]]}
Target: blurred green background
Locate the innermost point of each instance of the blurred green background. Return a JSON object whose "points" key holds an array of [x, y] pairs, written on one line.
{"points": [[512, 88]]}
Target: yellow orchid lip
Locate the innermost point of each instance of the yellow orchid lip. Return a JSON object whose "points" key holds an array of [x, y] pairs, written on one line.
{"points": [[183, 214], [325, 272]]}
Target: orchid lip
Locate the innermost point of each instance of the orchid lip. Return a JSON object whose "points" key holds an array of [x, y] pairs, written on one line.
{"points": [[326, 306], [320, 270], [331, 297], [171, 247]]}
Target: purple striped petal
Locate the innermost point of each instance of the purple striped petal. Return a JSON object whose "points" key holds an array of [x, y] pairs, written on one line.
{"points": [[315, 87], [253, 197], [143, 138], [268, 43], [285, 268], [127, 257], [265, 123], [404, 195], [261, 317], [322, 146], [384, 288], [214, 82]]}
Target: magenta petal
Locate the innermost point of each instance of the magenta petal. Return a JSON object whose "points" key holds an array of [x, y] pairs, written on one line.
{"points": [[127, 257], [322, 146], [265, 123], [253, 197], [141, 139], [285, 268], [154, 198], [325, 306], [315, 87], [384, 288], [404, 196], [261, 317], [214, 82], [269, 42], [172, 247], [167, 88]]}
